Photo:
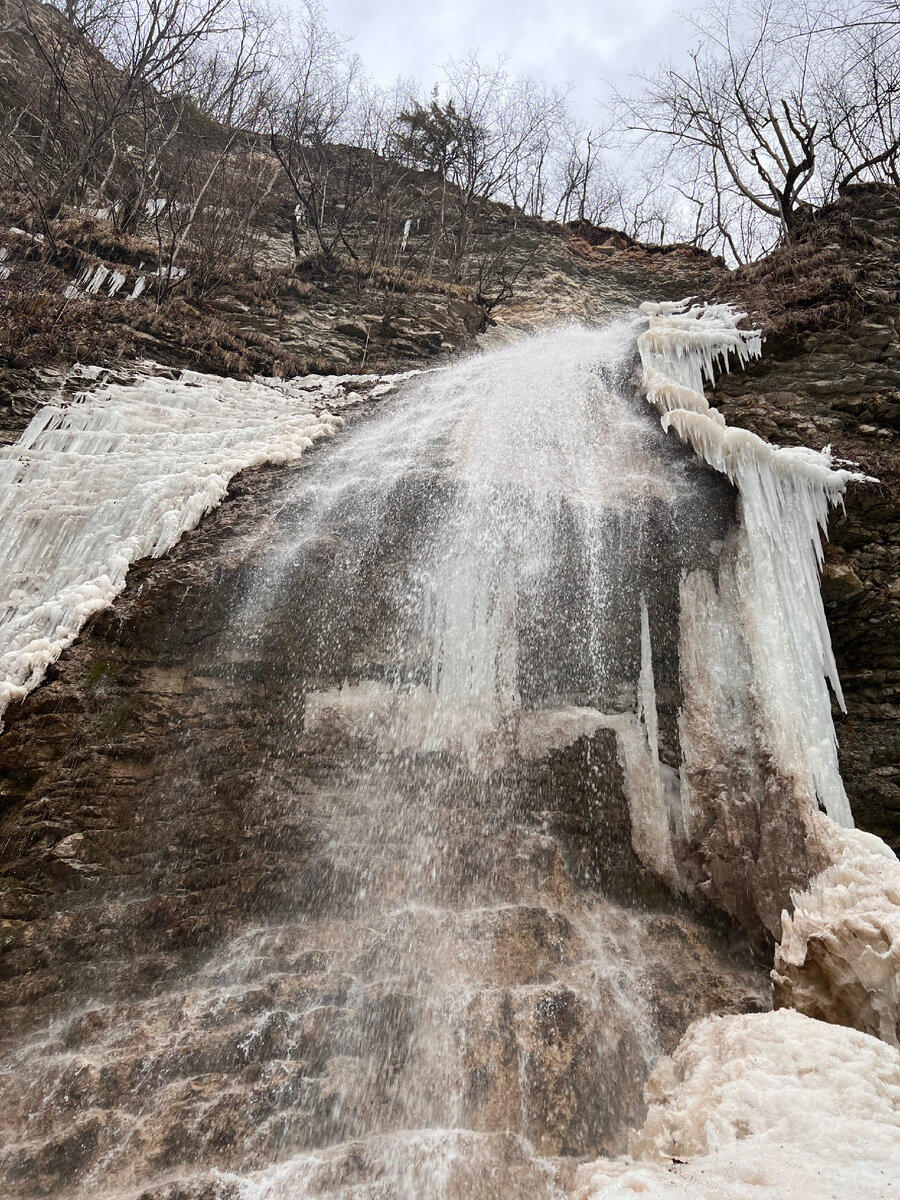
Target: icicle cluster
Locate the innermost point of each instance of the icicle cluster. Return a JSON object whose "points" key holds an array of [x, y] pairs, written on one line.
{"points": [[122, 473], [764, 625], [785, 495]]}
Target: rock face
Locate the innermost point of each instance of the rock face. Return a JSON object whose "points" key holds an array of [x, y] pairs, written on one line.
{"points": [[829, 309]]}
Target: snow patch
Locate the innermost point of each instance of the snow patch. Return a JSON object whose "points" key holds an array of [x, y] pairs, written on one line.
{"points": [[763, 1105]]}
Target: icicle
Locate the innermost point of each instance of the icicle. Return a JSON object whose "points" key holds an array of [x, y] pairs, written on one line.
{"points": [[647, 804], [637, 741], [93, 281], [647, 687], [785, 497], [116, 280]]}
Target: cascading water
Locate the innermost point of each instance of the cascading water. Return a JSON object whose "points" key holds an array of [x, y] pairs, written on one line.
{"points": [[493, 609]]}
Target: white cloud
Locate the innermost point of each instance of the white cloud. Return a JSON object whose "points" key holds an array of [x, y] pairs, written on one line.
{"points": [[578, 43]]}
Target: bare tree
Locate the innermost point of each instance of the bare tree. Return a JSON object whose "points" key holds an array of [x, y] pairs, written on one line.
{"points": [[307, 113], [486, 136], [99, 63], [859, 93], [393, 204], [780, 108], [744, 105], [578, 182]]}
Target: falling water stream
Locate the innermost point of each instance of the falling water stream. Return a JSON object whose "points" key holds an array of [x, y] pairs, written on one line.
{"points": [[462, 980]]}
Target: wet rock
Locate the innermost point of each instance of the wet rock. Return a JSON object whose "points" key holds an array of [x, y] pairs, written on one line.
{"points": [[352, 330], [263, 1000], [828, 359]]}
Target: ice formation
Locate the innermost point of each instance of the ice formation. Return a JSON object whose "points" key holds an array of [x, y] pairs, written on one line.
{"points": [[839, 957], [123, 472], [778, 1103], [92, 280], [763, 1105], [785, 497], [638, 746]]}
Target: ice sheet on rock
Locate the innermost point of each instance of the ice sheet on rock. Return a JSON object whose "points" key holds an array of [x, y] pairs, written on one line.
{"points": [[122, 473], [693, 342], [638, 742], [839, 957], [785, 494], [764, 1105]]}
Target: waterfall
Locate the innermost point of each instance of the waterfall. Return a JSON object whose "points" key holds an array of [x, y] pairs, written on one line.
{"points": [[527, 716]]}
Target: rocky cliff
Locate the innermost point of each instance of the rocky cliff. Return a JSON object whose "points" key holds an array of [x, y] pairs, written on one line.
{"points": [[829, 307]]}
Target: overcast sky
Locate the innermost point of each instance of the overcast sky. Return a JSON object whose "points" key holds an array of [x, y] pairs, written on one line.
{"points": [[577, 42]]}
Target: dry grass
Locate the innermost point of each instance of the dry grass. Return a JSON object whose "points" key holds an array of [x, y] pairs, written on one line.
{"points": [[799, 287], [212, 344], [207, 320], [40, 330], [820, 281], [39, 326], [321, 268], [396, 280]]}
